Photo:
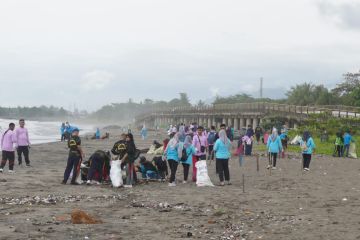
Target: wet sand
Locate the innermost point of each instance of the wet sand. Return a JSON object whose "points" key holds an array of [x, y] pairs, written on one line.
{"points": [[289, 204]]}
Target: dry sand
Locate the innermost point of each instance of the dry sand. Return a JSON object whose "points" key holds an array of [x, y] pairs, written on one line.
{"points": [[321, 204]]}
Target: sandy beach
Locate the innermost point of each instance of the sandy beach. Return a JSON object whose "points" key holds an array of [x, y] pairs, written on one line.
{"points": [[289, 204]]}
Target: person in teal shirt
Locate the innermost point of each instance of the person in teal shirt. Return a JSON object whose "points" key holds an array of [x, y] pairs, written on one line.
{"points": [[97, 134], [172, 152], [189, 150], [308, 146], [222, 152], [347, 140], [274, 148]]}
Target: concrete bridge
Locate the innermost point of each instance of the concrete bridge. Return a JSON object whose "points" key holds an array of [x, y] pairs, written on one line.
{"points": [[240, 114]]}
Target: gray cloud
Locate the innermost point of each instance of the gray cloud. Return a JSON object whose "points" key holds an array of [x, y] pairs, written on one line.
{"points": [[346, 15]]}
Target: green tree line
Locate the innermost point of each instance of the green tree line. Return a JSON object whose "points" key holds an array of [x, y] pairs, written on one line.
{"points": [[33, 112]]}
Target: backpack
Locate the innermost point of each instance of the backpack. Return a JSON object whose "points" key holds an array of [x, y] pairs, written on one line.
{"points": [[184, 155], [211, 138]]}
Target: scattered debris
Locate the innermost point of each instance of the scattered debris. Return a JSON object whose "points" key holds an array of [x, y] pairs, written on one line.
{"points": [[52, 199]]}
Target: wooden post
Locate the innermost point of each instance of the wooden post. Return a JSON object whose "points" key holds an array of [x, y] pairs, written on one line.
{"points": [[243, 177], [270, 163], [257, 163]]}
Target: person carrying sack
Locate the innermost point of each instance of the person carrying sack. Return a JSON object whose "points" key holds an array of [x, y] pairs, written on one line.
{"points": [[200, 143]]}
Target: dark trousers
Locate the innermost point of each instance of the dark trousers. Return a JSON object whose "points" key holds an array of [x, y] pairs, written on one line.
{"points": [[173, 167], [72, 163], [222, 166], [63, 137], [186, 171], [6, 155], [23, 150], [248, 149], [97, 165], [272, 159], [130, 174], [307, 159], [339, 150], [346, 150], [211, 153]]}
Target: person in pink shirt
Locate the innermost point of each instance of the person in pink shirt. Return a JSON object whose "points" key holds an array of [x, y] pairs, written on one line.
{"points": [[7, 146], [266, 137], [200, 143], [22, 143]]}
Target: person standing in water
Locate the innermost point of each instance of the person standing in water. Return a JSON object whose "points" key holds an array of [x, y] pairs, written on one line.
{"points": [[22, 143], [97, 133], [75, 155], [7, 146], [62, 132]]}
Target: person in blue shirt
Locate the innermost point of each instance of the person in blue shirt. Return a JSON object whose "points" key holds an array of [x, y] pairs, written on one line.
{"points": [[182, 133], [308, 147], [97, 134], [147, 169], [143, 133], [186, 159], [284, 141], [274, 148], [172, 153], [62, 132], [347, 140], [222, 152], [67, 131]]}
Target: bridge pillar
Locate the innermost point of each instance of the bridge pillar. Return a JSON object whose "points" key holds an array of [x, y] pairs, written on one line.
{"points": [[248, 122], [255, 123], [229, 122], [201, 121], [236, 123], [224, 120], [209, 122], [242, 122]]}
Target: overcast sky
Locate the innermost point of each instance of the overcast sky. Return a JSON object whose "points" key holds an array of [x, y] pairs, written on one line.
{"points": [[95, 52]]}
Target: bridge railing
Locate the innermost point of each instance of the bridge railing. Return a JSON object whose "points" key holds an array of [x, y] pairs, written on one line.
{"points": [[262, 107]]}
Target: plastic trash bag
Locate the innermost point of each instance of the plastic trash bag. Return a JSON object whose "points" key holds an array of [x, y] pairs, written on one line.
{"points": [[202, 177], [78, 176], [352, 150], [296, 140], [116, 174]]}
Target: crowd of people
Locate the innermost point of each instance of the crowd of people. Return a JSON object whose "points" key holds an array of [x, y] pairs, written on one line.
{"points": [[186, 145]]}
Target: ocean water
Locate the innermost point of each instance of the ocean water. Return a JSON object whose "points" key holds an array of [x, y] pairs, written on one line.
{"points": [[44, 132]]}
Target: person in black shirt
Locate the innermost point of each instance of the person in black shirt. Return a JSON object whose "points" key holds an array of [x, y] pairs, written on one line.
{"points": [[258, 132], [119, 149], [130, 158], [99, 166], [75, 155], [147, 169]]}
